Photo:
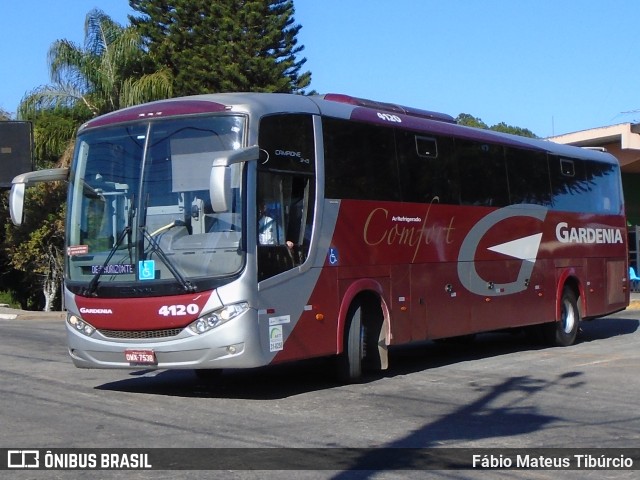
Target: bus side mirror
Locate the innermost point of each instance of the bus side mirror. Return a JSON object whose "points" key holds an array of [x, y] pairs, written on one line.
{"points": [[220, 188], [16, 203], [220, 191], [19, 184]]}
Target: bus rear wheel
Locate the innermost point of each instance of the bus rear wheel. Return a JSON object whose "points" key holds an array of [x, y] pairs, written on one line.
{"points": [[564, 332]]}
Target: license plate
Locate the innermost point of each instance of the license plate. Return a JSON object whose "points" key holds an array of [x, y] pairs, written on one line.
{"points": [[141, 357]]}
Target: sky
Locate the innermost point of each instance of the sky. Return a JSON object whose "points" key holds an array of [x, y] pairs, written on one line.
{"points": [[552, 66]]}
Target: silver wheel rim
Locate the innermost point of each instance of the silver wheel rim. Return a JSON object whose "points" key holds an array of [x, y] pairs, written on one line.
{"points": [[568, 317]]}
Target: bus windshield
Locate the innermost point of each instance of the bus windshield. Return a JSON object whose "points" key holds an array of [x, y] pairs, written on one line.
{"points": [[139, 204]]}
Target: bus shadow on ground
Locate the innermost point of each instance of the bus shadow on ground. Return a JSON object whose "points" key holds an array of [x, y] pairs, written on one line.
{"points": [[282, 381], [608, 327], [410, 358]]}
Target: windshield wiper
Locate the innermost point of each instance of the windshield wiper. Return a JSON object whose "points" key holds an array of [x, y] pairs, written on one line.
{"points": [[126, 231], [155, 248], [93, 284]]}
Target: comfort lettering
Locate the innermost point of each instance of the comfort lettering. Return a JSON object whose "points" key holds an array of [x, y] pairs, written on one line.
{"points": [[404, 232]]}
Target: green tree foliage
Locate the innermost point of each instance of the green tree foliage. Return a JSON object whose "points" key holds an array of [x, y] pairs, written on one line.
{"points": [[109, 72], [34, 256], [523, 132], [224, 45], [471, 121], [53, 131], [30, 260], [4, 115]]}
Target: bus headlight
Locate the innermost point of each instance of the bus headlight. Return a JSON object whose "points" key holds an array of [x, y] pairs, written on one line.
{"points": [[218, 317], [80, 325]]}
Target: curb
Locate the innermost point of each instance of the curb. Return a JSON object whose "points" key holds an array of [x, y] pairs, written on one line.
{"points": [[4, 308], [13, 314]]}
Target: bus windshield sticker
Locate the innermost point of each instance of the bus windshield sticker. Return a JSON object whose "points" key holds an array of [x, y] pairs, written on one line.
{"points": [[73, 250], [117, 269], [146, 269], [275, 338]]}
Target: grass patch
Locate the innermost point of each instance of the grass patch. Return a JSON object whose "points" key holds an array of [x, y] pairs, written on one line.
{"points": [[7, 299]]}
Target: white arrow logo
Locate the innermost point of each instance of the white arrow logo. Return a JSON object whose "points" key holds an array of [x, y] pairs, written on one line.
{"points": [[525, 248]]}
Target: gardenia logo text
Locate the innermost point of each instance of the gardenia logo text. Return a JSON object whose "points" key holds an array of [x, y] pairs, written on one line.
{"points": [[566, 234]]}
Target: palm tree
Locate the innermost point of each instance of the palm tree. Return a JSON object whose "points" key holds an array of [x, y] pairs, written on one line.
{"points": [[109, 72]]}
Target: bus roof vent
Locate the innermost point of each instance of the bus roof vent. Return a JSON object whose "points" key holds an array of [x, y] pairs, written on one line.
{"points": [[389, 107]]}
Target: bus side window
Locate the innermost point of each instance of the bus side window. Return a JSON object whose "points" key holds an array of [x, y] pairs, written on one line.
{"points": [[427, 168], [483, 175], [528, 174], [285, 193], [578, 177], [603, 180], [568, 183], [360, 161]]}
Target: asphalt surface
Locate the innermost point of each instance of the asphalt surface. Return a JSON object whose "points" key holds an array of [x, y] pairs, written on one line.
{"points": [[500, 392]]}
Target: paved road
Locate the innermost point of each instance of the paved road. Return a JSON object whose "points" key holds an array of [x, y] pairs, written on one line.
{"points": [[502, 392]]}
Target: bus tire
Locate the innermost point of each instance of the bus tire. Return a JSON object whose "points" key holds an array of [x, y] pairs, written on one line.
{"points": [[350, 360], [564, 332]]}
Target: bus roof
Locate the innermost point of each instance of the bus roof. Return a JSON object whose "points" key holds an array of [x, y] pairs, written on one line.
{"points": [[340, 106]]}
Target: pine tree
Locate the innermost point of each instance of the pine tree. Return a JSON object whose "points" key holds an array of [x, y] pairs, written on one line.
{"points": [[224, 45]]}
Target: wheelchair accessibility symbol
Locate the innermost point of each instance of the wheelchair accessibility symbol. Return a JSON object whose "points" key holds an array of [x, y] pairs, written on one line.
{"points": [[333, 256], [146, 269]]}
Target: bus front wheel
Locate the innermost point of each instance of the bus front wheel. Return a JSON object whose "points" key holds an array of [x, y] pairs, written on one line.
{"points": [[564, 332], [350, 360]]}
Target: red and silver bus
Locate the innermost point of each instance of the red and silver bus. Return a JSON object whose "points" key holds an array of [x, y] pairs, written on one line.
{"points": [[240, 230]]}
